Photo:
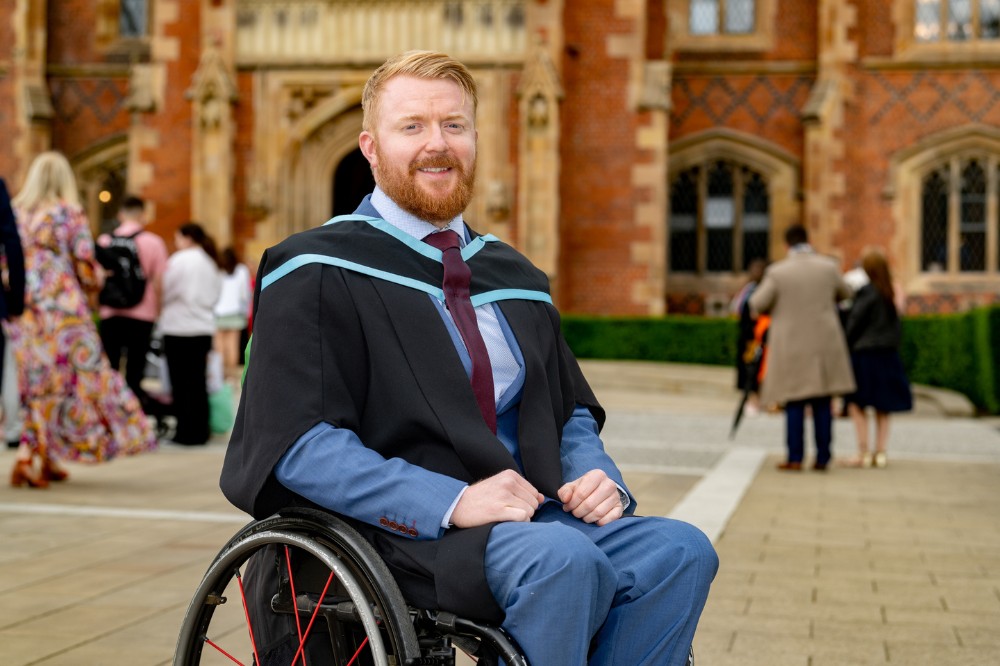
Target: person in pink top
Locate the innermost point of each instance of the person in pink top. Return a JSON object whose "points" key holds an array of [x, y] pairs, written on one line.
{"points": [[125, 333]]}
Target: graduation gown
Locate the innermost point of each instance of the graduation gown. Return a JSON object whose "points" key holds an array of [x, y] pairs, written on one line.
{"points": [[344, 333]]}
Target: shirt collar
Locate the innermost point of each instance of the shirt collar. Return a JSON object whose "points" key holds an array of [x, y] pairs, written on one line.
{"points": [[408, 222]]}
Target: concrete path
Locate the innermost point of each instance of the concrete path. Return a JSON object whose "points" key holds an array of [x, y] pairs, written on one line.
{"points": [[893, 566]]}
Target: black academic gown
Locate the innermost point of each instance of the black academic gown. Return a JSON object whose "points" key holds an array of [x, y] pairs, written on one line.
{"points": [[338, 339]]}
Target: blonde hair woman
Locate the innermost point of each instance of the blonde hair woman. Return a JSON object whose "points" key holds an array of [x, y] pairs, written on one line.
{"points": [[75, 406]]}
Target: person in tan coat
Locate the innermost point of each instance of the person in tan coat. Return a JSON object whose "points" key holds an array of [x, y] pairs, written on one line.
{"points": [[808, 360]]}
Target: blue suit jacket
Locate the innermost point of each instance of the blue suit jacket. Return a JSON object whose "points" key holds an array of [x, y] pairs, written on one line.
{"points": [[12, 295], [377, 488]]}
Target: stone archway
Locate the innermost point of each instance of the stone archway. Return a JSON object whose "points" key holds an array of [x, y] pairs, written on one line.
{"points": [[307, 195]]}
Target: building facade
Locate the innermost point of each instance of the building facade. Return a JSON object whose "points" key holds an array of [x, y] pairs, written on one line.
{"points": [[642, 152]]}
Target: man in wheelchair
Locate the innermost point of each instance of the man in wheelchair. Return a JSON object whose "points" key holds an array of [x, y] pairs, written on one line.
{"points": [[446, 419]]}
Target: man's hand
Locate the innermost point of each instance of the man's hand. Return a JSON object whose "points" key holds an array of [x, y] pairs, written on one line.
{"points": [[506, 497], [593, 498]]}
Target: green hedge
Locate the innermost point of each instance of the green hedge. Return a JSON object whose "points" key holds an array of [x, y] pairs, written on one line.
{"points": [[960, 352], [677, 338]]}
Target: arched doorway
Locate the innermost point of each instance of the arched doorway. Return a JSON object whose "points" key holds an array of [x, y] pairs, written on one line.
{"points": [[352, 180]]}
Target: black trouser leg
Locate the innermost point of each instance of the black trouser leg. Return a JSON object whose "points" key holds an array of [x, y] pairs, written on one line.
{"points": [[187, 359]]}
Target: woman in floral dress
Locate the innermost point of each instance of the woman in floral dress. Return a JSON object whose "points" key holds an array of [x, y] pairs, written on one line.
{"points": [[75, 406]]}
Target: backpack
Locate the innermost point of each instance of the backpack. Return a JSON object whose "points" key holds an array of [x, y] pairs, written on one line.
{"points": [[125, 283]]}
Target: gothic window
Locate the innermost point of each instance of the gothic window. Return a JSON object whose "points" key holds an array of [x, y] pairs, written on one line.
{"points": [[713, 17], [133, 18], [956, 20], [719, 218], [958, 225]]}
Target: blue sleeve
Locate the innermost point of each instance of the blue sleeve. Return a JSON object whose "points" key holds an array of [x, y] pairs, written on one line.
{"points": [[331, 467], [582, 450]]}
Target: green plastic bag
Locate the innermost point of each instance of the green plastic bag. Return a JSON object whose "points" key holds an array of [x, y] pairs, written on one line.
{"points": [[221, 412]]}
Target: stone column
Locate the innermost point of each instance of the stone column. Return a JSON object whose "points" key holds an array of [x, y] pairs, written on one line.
{"points": [[824, 179], [539, 95], [212, 94], [32, 101]]}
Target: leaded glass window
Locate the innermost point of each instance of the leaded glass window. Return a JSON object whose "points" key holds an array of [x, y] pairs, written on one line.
{"points": [[972, 223], [732, 17], [956, 20], [756, 220], [934, 210], [959, 227], [719, 218], [134, 18], [684, 221]]}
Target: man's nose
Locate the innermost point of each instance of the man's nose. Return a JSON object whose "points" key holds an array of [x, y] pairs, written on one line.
{"points": [[437, 142]]}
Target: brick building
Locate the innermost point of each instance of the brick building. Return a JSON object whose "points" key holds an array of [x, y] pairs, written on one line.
{"points": [[640, 151]]}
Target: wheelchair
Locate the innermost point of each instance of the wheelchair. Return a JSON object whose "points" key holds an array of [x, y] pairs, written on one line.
{"points": [[343, 599]]}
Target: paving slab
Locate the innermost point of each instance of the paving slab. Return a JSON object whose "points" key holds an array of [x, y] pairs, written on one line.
{"points": [[848, 567]]}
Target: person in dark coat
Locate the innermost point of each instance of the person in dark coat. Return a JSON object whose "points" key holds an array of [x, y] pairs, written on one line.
{"points": [[12, 292], [873, 336], [364, 396]]}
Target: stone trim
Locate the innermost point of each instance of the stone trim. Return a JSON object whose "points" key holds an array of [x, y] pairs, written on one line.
{"points": [[779, 167]]}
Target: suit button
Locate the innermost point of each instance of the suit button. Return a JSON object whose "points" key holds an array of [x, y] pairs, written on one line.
{"points": [[393, 525], [412, 532], [383, 521], [402, 528]]}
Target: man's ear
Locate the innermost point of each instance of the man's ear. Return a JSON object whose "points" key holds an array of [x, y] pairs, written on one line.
{"points": [[367, 144]]}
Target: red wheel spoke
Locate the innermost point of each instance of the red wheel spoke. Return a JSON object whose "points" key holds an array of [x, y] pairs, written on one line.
{"points": [[319, 603], [246, 611], [231, 657], [295, 607], [358, 651]]}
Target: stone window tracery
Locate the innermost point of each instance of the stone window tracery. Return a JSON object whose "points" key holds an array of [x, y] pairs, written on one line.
{"points": [[712, 17], [958, 224], [719, 218], [956, 20]]}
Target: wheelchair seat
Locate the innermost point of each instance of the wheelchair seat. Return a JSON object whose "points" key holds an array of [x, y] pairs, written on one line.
{"points": [[346, 606]]}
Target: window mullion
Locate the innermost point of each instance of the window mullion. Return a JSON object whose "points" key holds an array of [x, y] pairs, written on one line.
{"points": [[954, 214], [722, 17], [701, 245], [992, 223], [975, 20], [739, 183]]}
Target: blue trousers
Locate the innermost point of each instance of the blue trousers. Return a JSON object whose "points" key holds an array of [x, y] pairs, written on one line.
{"points": [[822, 427], [630, 592]]}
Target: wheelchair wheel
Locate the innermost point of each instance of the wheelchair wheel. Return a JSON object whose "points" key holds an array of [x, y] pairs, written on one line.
{"points": [[348, 601]]}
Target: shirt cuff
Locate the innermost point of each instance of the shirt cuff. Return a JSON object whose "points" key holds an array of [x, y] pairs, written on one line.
{"points": [[446, 520]]}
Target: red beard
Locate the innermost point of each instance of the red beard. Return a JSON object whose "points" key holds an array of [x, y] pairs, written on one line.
{"points": [[402, 188]]}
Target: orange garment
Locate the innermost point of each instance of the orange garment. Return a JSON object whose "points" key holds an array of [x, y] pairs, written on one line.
{"points": [[760, 341]]}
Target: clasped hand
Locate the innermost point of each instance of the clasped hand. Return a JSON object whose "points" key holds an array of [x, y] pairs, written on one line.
{"points": [[508, 497]]}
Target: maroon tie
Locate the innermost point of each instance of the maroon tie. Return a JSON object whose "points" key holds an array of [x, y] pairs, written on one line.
{"points": [[456, 297]]}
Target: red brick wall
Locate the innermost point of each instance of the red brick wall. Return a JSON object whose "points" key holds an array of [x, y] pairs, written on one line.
{"points": [[895, 110], [598, 139], [875, 28], [71, 32], [171, 183], [243, 216], [9, 163], [87, 110]]}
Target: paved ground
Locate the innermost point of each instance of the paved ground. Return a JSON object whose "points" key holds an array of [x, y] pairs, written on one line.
{"points": [[850, 567]]}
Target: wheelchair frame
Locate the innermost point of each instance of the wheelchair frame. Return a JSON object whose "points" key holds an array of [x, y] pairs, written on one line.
{"points": [[368, 602]]}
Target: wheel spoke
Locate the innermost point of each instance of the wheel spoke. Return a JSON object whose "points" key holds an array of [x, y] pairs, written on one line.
{"points": [[295, 607], [358, 651], [319, 603], [231, 657], [246, 611]]}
